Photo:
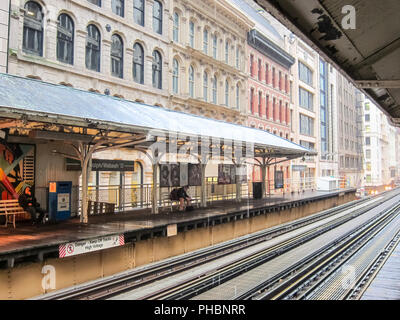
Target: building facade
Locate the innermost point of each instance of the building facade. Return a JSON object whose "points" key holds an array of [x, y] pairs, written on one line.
{"points": [[305, 116], [113, 47], [269, 100], [4, 22], [349, 134], [208, 64]]}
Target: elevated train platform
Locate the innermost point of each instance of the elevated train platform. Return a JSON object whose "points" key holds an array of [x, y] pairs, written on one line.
{"points": [[44, 240], [26, 252]]}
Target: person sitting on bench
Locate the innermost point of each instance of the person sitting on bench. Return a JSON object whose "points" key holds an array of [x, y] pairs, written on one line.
{"points": [[181, 195], [29, 203]]}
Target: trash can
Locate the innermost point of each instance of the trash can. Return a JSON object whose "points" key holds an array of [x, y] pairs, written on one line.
{"points": [[59, 200], [257, 190]]}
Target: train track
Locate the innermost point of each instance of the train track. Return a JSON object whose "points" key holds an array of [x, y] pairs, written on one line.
{"points": [[321, 276], [111, 286]]}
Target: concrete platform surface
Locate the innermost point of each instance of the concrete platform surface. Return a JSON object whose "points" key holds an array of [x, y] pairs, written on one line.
{"points": [[26, 236]]}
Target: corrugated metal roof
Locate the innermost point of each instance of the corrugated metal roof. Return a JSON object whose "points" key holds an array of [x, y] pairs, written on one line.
{"points": [[22, 95]]}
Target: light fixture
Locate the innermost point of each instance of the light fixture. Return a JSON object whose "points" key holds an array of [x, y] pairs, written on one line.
{"points": [[108, 27]]}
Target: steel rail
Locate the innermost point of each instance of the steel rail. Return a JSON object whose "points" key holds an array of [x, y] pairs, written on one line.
{"points": [[200, 284], [291, 286], [121, 283]]}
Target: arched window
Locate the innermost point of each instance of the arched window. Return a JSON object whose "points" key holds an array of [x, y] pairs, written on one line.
{"points": [[237, 96], [138, 63], [176, 27], [215, 46], [157, 17], [118, 7], [175, 76], [227, 93], [191, 81], [205, 86], [191, 34], [138, 12], [117, 56], [32, 41], [157, 70], [214, 90], [93, 48], [205, 41], [65, 39]]}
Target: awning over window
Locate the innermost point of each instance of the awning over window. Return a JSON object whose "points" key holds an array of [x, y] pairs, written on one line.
{"points": [[28, 99]]}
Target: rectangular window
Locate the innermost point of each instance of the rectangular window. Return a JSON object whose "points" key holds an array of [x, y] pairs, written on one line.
{"points": [[96, 2], [368, 141], [367, 118], [138, 12], [266, 73], [237, 58], [367, 154], [306, 125], [306, 99], [259, 69], [118, 7], [215, 46], [252, 65], [252, 100], [305, 74], [259, 103]]}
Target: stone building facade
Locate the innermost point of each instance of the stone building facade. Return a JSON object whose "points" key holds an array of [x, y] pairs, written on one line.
{"points": [[113, 47], [208, 59]]}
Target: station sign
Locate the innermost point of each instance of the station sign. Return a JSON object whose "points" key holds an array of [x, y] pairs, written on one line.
{"points": [[90, 245], [102, 165]]}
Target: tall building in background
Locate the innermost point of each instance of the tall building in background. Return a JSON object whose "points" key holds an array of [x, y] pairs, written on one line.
{"points": [[4, 21], [381, 149], [349, 152], [328, 114], [305, 116]]}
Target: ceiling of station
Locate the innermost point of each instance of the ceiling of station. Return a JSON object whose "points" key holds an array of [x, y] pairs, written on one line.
{"points": [[365, 45]]}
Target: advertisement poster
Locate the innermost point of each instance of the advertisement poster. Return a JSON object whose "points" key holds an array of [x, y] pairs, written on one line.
{"points": [[278, 179], [226, 174], [194, 172]]}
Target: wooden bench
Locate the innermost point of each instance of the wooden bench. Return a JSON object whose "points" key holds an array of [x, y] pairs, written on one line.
{"points": [[10, 208]]}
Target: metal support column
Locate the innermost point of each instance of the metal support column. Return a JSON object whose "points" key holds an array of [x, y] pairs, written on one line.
{"points": [[154, 191], [203, 186], [238, 185], [263, 176]]}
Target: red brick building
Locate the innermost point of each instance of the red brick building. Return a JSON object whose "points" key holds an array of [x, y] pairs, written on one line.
{"points": [[269, 93]]}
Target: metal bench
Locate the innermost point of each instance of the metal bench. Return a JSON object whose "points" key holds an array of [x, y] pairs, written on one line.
{"points": [[9, 209], [165, 198]]}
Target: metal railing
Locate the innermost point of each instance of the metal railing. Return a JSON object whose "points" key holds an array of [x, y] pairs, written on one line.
{"points": [[139, 196]]}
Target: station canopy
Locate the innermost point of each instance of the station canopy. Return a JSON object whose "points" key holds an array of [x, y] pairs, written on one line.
{"points": [[57, 110]]}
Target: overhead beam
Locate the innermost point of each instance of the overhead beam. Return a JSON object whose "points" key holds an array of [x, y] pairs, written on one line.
{"points": [[378, 55], [361, 84]]}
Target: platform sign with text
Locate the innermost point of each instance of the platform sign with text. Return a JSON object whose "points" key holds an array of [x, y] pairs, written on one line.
{"points": [[85, 246]]}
